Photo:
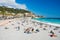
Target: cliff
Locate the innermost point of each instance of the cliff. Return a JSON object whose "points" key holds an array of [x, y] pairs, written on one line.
{"points": [[5, 11]]}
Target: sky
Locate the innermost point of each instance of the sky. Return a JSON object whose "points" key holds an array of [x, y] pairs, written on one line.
{"points": [[47, 8]]}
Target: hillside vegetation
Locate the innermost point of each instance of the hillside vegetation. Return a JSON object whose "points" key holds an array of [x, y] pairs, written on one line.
{"points": [[8, 11]]}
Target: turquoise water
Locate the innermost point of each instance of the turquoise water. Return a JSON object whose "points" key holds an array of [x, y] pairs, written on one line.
{"points": [[50, 20]]}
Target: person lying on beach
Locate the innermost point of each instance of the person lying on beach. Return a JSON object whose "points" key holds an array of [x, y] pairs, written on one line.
{"points": [[44, 29], [6, 27], [18, 28], [56, 28], [37, 30], [53, 35], [27, 30]]}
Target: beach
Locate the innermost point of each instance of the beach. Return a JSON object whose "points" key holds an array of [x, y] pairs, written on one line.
{"points": [[27, 29]]}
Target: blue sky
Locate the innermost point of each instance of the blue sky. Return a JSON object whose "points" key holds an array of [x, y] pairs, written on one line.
{"points": [[48, 8]]}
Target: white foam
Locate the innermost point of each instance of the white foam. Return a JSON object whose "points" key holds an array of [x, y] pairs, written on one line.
{"points": [[47, 23]]}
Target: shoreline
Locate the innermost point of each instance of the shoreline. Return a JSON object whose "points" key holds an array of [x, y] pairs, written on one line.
{"points": [[20, 28], [47, 23], [53, 24]]}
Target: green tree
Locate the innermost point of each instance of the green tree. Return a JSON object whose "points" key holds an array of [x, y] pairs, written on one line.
{"points": [[3, 11]]}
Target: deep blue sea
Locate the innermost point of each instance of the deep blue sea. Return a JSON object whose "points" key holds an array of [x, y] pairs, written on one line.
{"points": [[50, 20]]}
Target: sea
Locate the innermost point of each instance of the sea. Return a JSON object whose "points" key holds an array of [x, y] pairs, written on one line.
{"points": [[50, 20]]}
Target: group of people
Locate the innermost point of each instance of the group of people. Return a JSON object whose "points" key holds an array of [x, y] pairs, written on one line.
{"points": [[52, 34], [34, 27], [31, 30]]}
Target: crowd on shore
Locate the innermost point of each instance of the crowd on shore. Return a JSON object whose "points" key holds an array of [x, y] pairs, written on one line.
{"points": [[30, 26]]}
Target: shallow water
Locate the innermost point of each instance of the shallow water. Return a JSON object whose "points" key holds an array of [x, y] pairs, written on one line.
{"points": [[51, 20]]}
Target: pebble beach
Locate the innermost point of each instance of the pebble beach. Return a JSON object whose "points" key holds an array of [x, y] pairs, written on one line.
{"points": [[27, 29]]}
